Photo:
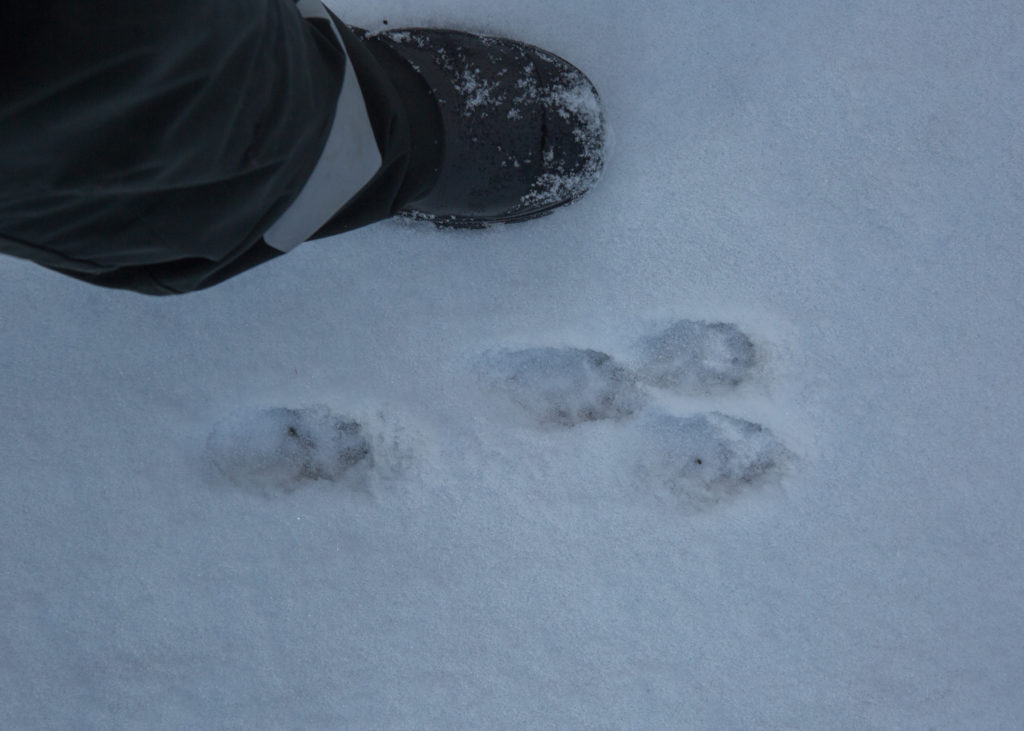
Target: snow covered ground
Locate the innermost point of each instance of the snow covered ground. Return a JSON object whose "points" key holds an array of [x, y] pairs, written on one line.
{"points": [[733, 443]]}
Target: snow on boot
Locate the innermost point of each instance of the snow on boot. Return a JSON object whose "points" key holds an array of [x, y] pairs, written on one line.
{"points": [[523, 130]]}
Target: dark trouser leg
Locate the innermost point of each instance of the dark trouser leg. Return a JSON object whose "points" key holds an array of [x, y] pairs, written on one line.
{"points": [[148, 145]]}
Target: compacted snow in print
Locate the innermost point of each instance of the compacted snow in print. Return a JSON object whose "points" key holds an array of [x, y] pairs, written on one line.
{"points": [[732, 442]]}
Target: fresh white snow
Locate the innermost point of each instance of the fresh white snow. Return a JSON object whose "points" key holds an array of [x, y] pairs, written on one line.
{"points": [[802, 267]]}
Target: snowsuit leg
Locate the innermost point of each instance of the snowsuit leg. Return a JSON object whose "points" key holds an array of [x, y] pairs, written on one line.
{"points": [[149, 145]]}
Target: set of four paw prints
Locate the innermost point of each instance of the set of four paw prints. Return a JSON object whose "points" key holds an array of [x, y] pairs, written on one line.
{"points": [[701, 459]]}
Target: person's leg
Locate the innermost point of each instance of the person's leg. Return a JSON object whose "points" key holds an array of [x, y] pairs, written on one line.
{"points": [[150, 145], [167, 146]]}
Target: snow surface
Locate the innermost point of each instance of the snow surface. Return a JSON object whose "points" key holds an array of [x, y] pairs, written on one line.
{"points": [[837, 185]]}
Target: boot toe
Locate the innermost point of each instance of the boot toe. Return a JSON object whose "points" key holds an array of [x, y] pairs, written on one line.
{"points": [[523, 128]]}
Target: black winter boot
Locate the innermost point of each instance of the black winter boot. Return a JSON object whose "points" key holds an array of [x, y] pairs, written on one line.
{"points": [[517, 131]]}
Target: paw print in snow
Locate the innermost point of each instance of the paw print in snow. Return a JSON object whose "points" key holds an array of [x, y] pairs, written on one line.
{"points": [[564, 387], [284, 449], [696, 357], [705, 459]]}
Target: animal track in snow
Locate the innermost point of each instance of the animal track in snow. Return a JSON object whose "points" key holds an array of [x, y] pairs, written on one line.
{"points": [[701, 459], [705, 459], [284, 449], [696, 357], [564, 386]]}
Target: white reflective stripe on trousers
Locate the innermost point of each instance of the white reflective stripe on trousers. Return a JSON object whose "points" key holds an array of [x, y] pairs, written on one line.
{"points": [[349, 160]]}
